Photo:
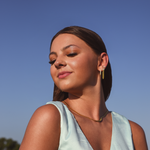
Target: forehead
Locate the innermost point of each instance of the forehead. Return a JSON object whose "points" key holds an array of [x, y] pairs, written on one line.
{"points": [[63, 40]]}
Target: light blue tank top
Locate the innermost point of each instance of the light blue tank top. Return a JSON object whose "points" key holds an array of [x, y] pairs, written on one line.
{"points": [[72, 137]]}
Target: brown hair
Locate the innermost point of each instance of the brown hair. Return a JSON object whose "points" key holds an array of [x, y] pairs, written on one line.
{"points": [[93, 40]]}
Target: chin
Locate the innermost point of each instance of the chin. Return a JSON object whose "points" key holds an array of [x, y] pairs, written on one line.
{"points": [[70, 86], [64, 86], [67, 88]]}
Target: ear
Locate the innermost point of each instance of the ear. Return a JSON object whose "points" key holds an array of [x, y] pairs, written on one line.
{"points": [[102, 61]]}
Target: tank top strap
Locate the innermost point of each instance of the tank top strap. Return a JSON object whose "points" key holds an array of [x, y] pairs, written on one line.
{"points": [[121, 133], [71, 136]]}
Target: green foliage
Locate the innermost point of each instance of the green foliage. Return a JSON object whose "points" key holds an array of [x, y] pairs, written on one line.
{"points": [[8, 144]]}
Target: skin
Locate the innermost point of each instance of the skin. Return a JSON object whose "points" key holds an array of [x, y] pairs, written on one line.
{"points": [[83, 83]]}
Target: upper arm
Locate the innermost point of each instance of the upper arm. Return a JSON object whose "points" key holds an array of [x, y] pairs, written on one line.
{"points": [[138, 136], [43, 130]]}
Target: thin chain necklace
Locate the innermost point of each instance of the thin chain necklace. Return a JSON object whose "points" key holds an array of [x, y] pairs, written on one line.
{"points": [[100, 120]]}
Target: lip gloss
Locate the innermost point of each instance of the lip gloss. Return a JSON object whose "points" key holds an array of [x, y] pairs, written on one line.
{"points": [[63, 75]]}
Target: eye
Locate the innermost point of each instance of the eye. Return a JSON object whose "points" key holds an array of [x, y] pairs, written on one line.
{"points": [[52, 62], [72, 54]]}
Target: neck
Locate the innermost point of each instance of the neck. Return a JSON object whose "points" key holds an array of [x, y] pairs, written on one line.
{"points": [[90, 103]]}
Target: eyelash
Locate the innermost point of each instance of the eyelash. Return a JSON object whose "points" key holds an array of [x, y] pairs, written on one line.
{"points": [[52, 62], [69, 55], [72, 54]]}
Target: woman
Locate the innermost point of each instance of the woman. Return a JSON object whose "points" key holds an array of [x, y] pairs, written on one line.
{"points": [[77, 118]]}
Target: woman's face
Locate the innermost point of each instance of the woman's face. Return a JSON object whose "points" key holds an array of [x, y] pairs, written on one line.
{"points": [[73, 63]]}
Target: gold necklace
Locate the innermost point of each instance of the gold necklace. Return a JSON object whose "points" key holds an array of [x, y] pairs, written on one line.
{"points": [[100, 120]]}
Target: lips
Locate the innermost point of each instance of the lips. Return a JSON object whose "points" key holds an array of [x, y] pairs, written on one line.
{"points": [[63, 74]]}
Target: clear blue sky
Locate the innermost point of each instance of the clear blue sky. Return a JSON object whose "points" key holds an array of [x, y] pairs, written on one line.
{"points": [[26, 28]]}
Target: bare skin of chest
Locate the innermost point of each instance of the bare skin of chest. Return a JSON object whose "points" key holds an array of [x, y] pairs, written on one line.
{"points": [[97, 133]]}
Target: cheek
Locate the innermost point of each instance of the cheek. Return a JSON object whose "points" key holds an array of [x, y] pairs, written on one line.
{"points": [[52, 72], [83, 65], [85, 70]]}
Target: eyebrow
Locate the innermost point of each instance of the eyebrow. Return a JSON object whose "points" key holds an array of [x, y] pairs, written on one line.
{"points": [[64, 48]]}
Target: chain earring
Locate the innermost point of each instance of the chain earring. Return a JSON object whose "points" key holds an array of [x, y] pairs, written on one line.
{"points": [[103, 72]]}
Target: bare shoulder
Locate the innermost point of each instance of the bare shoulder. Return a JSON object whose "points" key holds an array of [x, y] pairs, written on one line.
{"points": [[43, 130], [47, 113], [138, 136]]}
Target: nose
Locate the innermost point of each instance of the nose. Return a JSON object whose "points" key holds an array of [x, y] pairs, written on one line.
{"points": [[59, 63]]}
